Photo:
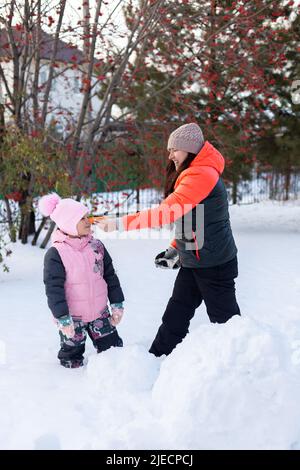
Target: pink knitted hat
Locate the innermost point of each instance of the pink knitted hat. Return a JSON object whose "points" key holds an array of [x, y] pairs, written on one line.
{"points": [[188, 137], [66, 213]]}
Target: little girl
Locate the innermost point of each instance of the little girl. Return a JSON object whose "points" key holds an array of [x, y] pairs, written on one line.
{"points": [[80, 278]]}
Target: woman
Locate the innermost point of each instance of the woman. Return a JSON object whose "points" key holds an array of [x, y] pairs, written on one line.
{"points": [[204, 247]]}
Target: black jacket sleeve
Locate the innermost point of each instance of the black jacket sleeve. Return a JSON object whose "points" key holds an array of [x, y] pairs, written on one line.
{"points": [[54, 280], [115, 293]]}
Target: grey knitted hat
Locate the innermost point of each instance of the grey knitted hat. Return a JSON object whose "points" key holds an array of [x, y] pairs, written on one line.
{"points": [[188, 137]]}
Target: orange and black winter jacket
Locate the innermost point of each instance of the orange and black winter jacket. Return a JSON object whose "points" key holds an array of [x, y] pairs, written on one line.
{"points": [[199, 184]]}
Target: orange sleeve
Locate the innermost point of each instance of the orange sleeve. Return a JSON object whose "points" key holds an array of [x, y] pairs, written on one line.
{"points": [[173, 243], [192, 187]]}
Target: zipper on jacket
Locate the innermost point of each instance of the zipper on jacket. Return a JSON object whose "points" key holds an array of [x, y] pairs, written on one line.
{"points": [[91, 286], [197, 247]]}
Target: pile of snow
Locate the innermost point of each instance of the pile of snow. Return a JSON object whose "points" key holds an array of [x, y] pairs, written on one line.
{"points": [[233, 386]]}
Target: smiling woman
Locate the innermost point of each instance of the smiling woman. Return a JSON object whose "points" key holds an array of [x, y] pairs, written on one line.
{"points": [[204, 247], [177, 157]]}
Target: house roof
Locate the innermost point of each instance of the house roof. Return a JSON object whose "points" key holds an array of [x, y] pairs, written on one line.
{"points": [[65, 52]]}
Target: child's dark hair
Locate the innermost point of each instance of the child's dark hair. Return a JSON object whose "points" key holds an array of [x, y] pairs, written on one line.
{"points": [[172, 174]]}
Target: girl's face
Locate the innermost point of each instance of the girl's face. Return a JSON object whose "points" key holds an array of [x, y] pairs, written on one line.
{"points": [[178, 157], [83, 226]]}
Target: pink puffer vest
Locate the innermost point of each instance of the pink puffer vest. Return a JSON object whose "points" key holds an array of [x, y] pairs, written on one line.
{"points": [[85, 288]]}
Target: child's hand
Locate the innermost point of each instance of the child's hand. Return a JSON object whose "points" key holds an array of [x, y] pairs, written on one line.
{"points": [[66, 326], [68, 331], [117, 311]]}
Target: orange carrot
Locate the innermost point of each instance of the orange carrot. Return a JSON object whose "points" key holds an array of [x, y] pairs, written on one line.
{"points": [[94, 219]]}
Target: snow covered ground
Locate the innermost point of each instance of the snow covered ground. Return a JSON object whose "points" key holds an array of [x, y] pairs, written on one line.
{"points": [[232, 386]]}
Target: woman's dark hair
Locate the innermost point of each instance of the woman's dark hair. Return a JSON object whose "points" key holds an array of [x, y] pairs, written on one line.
{"points": [[172, 174]]}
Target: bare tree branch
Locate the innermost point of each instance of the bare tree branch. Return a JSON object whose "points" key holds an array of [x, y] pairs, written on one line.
{"points": [[62, 5]]}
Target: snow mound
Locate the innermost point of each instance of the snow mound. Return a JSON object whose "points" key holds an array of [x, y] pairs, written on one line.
{"points": [[229, 386], [119, 384], [128, 369]]}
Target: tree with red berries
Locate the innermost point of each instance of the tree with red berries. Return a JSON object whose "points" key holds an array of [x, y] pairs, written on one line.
{"points": [[214, 61], [28, 48]]}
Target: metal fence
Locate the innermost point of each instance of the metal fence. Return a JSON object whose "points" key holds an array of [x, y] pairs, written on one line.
{"points": [[264, 186], [260, 188]]}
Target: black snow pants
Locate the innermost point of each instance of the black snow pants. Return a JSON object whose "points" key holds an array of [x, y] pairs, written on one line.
{"points": [[215, 286]]}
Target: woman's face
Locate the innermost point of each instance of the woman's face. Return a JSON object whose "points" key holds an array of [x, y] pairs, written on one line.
{"points": [[83, 226], [178, 157]]}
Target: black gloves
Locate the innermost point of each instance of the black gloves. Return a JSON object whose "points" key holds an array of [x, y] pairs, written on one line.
{"points": [[168, 259]]}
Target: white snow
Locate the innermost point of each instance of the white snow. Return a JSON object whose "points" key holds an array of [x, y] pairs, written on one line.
{"points": [[232, 386]]}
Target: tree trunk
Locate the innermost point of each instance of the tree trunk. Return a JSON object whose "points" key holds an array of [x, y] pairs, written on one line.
{"points": [[31, 222], [27, 224], [49, 233], [118, 206], [138, 198], [274, 185], [287, 183], [2, 122], [37, 233], [24, 225], [12, 228], [234, 191], [271, 187]]}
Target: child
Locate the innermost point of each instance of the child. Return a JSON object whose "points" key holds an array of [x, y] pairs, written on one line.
{"points": [[80, 278]]}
